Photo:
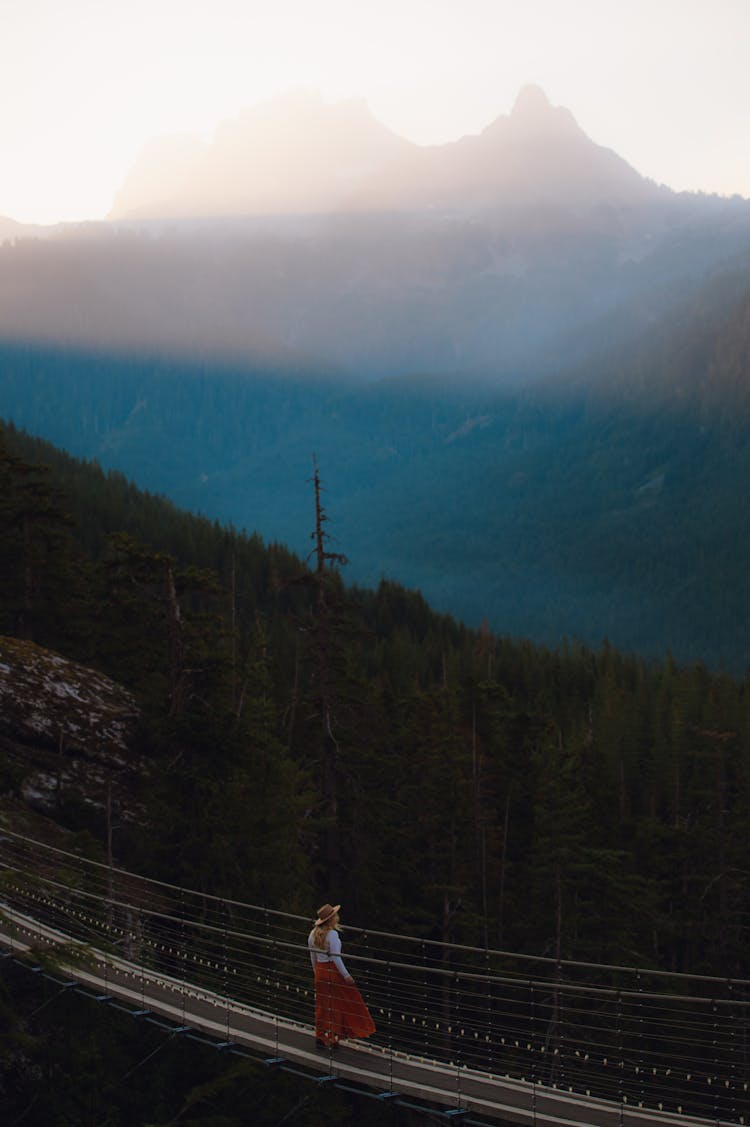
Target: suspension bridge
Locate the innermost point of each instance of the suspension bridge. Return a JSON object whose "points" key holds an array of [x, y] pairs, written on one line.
{"points": [[474, 1034]]}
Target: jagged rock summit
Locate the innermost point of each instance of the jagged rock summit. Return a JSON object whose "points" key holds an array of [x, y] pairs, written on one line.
{"points": [[300, 155], [532, 108], [531, 102], [535, 159]]}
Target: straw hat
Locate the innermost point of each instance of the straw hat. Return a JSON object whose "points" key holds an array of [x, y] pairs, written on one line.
{"points": [[326, 912]]}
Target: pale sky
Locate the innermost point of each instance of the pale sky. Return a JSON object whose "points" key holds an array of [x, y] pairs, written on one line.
{"points": [[84, 84]]}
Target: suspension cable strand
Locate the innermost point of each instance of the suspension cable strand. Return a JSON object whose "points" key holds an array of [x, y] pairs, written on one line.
{"points": [[620, 1062], [64, 989], [560, 1060], [639, 1073], [274, 962], [145, 1060], [229, 960], [387, 1012], [714, 1080], [732, 1063], [533, 1038]]}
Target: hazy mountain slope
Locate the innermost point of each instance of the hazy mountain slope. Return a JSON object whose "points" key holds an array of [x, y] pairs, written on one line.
{"points": [[612, 506], [293, 154], [368, 296], [536, 161], [297, 154], [120, 290], [499, 254], [9, 228]]}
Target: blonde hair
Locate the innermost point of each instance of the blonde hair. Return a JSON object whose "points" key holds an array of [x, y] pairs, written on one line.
{"points": [[321, 931]]}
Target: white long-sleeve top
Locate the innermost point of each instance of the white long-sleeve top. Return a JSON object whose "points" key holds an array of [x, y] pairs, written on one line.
{"points": [[332, 953]]}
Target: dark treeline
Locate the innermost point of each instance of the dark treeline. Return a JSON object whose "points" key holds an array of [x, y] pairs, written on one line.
{"points": [[313, 740]]}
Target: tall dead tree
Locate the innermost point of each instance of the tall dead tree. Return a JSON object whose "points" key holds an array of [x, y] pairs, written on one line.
{"points": [[325, 645]]}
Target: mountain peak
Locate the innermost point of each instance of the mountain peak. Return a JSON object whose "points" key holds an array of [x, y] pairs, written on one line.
{"points": [[534, 115], [531, 102]]}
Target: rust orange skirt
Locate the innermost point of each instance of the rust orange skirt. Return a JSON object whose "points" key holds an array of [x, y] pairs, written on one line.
{"points": [[340, 1010]]}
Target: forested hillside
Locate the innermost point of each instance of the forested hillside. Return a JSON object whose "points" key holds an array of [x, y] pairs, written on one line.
{"points": [[311, 739]]}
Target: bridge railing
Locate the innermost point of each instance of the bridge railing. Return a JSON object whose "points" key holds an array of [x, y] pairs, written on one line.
{"points": [[634, 1036]]}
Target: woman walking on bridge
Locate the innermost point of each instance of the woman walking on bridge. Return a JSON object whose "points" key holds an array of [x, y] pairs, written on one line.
{"points": [[340, 1010]]}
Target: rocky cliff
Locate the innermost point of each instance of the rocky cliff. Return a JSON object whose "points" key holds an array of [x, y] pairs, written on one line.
{"points": [[66, 740]]}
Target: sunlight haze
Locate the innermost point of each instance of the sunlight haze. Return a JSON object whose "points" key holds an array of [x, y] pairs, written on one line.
{"points": [[86, 85]]}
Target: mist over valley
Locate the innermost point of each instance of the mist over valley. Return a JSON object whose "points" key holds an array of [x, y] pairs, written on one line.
{"points": [[521, 365]]}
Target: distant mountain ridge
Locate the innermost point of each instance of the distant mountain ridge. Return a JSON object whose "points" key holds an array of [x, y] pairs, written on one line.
{"points": [[298, 155], [308, 237], [536, 157], [12, 229], [294, 154]]}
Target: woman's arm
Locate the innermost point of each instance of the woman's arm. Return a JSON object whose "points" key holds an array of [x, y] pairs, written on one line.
{"points": [[334, 949]]}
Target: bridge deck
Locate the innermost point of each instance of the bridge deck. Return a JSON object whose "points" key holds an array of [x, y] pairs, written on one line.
{"points": [[372, 1065]]}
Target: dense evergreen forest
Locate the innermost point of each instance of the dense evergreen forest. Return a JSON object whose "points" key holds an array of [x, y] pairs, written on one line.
{"points": [[311, 740]]}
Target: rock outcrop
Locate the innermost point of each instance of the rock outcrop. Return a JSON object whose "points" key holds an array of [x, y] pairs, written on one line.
{"points": [[67, 734]]}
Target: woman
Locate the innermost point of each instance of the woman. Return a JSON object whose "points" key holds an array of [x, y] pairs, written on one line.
{"points": [[339, 1008]]}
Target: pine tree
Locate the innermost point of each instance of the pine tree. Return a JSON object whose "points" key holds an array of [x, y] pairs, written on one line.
{"points": [[38, 580], [322, 631]]}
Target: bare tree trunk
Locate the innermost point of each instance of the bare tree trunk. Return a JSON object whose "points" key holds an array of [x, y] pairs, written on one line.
{"points": [[295, 698], [480, 836], [503, 869], [233, 613], [110, 859], [559, 913], [176, 648], [326, 689]]}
